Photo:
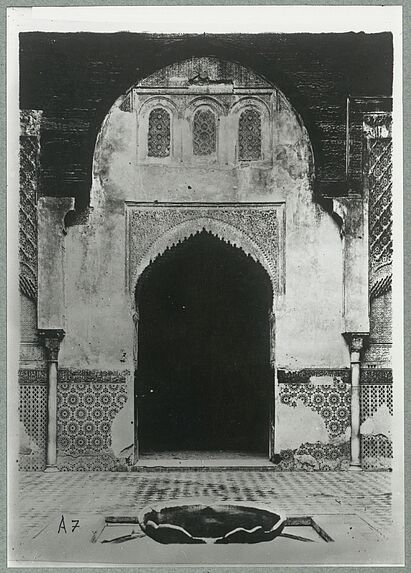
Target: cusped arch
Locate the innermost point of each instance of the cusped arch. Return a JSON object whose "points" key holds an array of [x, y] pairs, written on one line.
{"points": [[225, 232]]}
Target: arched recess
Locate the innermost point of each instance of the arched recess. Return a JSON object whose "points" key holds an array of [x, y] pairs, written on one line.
{"points": [[235, 237], [282, 177], [227, 88], [242, 373], [203, 103], [144, 113], [259, 107]]}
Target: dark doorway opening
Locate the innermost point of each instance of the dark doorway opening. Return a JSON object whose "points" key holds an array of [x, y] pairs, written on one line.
{"points": [[203, 378]]}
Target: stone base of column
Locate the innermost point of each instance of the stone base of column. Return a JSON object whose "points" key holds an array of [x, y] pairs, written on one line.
{"points": [[355, 468], [51, 469]]}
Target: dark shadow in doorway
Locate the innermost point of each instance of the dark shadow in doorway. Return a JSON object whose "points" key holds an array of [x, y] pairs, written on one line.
{"points": [[203, 380]]}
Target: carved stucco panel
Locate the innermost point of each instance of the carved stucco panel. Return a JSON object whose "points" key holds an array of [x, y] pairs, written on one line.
{"points": [[377, 128], [257, 230]]}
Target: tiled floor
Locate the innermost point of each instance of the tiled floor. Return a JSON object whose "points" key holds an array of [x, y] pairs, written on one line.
{"points": [[41, 495]]}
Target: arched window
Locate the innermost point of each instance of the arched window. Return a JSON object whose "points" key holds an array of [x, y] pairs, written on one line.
{"points": [[204, 132], [249, 135], [158, 141]]}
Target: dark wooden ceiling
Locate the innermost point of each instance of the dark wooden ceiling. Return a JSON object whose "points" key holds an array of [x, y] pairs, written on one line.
{"points": [[75, 78]]}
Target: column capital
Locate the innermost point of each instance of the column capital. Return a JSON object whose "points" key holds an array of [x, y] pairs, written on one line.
{"points": [[355, 340], [52, 339]]}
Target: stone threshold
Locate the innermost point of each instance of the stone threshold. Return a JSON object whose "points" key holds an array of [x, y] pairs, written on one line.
{"points": [[208, 461]]}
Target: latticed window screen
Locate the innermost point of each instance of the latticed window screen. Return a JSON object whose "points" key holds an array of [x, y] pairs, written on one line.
{"points": [[249, 135], [204, 132], [159, 133]]}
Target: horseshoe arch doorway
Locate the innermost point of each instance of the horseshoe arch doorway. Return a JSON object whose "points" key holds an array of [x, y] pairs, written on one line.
{"points": [[203, 383]]}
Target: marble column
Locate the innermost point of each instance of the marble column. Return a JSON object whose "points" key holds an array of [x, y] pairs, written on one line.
{"points": [[136, 318], [52, 340], [272, 398], [356, 344]]}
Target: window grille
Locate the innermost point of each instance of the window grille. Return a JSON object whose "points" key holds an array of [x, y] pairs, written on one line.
{"points": [[249, 135], [204, 132], [159, 133]]}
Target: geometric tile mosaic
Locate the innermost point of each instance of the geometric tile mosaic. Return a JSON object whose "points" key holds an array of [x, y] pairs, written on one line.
{"points": [[376, 452], [314, 457], [33, 415], [85, 411], [372, 397], [331, 401]]}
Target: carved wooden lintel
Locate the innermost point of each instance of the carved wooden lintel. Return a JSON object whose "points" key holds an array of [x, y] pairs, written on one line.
{"points": [[377, 125]]}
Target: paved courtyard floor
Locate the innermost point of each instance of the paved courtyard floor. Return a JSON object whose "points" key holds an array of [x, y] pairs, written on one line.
{"points": [[41, 499]]}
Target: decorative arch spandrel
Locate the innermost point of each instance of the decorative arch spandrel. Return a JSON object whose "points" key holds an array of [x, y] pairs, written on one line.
{"points": [[255, 229]]}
